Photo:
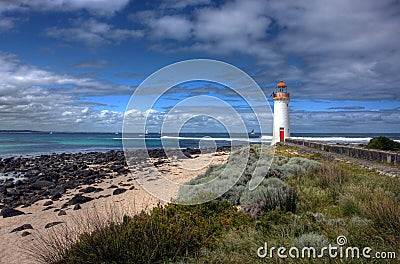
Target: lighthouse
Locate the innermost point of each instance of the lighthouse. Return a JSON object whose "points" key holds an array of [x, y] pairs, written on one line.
{"points": [[281, 113]]}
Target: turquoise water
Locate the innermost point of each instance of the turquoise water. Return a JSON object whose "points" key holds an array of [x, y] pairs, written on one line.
{"points": [[40, 143], [45, 143], [12, 144]]}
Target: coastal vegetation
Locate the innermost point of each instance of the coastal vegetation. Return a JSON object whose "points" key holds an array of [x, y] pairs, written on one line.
{"points": [[383, 143], [304, 200]]}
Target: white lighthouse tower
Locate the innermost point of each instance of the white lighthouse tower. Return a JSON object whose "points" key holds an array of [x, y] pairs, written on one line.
{"points": [[281, 113]]}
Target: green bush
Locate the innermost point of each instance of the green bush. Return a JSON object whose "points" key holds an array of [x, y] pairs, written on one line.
{"points": [[311, 240], [383, 143], [349, 207], [266, 186], [331, 175], [384, 211], [165, 234], [271, 194], [296, 166]]}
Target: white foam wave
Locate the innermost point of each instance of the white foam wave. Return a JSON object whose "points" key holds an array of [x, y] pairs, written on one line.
{"points": [[265, 137], [334, 139], [136, 138], [214, 138]]}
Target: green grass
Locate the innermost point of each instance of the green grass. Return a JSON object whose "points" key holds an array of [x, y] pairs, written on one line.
{"points": [[331, 199]]}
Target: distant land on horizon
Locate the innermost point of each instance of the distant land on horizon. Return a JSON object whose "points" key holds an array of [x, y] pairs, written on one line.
{"points": [[21, 131], [6, 131]]}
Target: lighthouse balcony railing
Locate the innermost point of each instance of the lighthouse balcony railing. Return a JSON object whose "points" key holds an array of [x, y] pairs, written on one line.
{"points": [[279, 95]]}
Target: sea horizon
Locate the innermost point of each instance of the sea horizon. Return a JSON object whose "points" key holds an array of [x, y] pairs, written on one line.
{"points": [[15, 143]]}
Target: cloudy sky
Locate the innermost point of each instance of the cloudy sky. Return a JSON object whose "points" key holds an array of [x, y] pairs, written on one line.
{"points": [[72, 65]]}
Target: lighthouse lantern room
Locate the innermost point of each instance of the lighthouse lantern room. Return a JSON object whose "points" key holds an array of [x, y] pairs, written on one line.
{"points": [[281, 113]]}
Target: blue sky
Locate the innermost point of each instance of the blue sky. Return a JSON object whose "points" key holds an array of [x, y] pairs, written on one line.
{"points": [[72, 65]]}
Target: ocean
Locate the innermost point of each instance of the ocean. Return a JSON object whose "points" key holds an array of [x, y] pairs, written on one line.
{"points": [[34, 144]]}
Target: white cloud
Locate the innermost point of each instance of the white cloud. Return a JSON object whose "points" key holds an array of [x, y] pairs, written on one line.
{"points": [[171, 27], [98, 7], [15, 76], [179, 4], [92, 32], [346, 121], [26, 103], [239, 21], [330, 49], [6, 23], [236, 26], [97, 64]]}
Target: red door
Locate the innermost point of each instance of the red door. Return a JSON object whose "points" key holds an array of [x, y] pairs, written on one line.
{"points": [[282, 134]]}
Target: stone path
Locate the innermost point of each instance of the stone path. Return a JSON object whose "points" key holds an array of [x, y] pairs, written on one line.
{"points": [[385, 169]]}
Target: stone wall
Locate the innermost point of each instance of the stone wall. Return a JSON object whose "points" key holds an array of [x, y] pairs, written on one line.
{"points": [[357, 152]]}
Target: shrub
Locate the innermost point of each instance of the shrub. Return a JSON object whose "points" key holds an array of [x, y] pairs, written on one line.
{"points": [[235, 247], [271, 194], [233, 195], [296, 166], [384, 211], [165, 234], [349, 207], [249, 197], [331, 175], [280, 160], [310, 240], [383, 143]]}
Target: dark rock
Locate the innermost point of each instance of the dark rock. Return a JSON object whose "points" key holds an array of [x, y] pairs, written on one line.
{"points": [[113, 186], [119, 191], [116, 168], [62, 212], [98, 190], [84, 173], [48, 208], [89, 189], [48, 203], [59, 189], [103, 196], [3, 190], [52, 176], [52, 224], [25, 233], [9, 184], [132, 188], [78, 199], [10, 212], [77, 207], [34, 199], [90, 179], [41, 184], [56, 196], [19, 183], [23, 227]]}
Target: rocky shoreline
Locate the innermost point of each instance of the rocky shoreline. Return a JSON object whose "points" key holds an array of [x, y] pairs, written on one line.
{"points": [[51, 176]]}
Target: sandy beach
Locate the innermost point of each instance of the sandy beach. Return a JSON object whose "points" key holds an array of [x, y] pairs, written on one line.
{"points": [[112, 195]]}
